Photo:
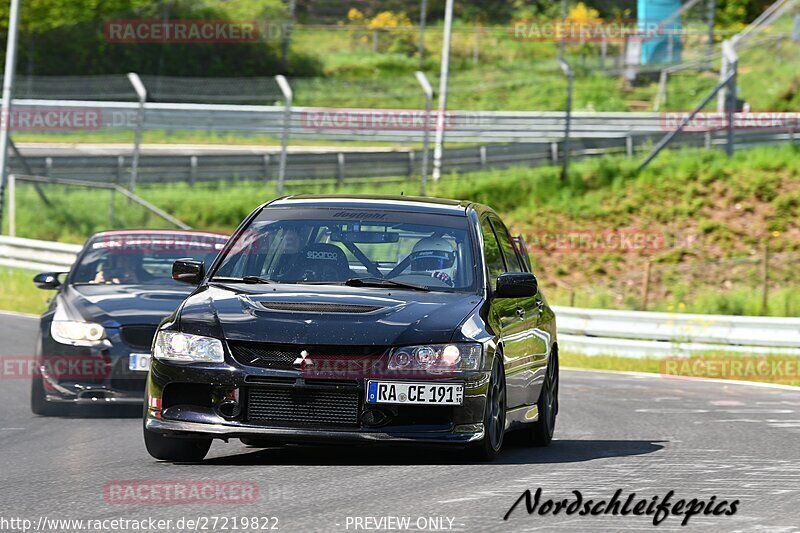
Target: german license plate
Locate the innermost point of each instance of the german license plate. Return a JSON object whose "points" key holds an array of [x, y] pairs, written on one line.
{"points": [[139, 362], [415, 393]]}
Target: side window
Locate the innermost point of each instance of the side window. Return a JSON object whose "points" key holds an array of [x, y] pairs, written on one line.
{"points": [[494, 257], [512, 259]]}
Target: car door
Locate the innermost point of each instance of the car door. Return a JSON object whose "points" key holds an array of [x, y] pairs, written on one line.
{"points": [[508, 316], [529, 370]]}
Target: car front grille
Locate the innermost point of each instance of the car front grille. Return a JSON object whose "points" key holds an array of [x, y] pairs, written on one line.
{"points": [[139, 337], [304, 406], [283, 356]]}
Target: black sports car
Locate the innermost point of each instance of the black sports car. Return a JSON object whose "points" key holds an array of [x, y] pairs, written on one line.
{"points": [[359, 318], [94, 340]]}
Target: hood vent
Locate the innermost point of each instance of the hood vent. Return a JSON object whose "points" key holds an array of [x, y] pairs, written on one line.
{"points": [[318, 307]]}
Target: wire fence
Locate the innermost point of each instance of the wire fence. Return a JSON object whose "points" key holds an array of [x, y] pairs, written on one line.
{"points": [[761, 283]]}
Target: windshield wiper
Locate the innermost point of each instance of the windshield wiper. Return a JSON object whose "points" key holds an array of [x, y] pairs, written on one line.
{"points": [[246, 279], [383, 282]]}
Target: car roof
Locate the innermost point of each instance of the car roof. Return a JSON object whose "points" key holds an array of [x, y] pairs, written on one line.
{"points": [[419, 204], [159, 232]]}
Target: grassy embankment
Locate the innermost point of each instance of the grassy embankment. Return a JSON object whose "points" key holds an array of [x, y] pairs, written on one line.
{"points": [[712, 216]]}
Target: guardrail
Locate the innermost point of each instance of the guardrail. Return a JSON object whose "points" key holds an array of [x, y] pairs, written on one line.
{"points": [[343, 165], [33, 254], [589, 331], [345, 124], [641, 334]]}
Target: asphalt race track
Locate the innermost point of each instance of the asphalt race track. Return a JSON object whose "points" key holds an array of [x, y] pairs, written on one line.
{"points": [[640, 434]]}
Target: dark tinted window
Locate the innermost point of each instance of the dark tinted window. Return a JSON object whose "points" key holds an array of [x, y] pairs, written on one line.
{"points": [[332, 245], [507, 245], [141, 258], [494, 258]]}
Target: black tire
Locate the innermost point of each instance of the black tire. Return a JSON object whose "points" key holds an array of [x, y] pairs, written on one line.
{"points": [[176, 450], [541, 431], [494, 417], [39, 404]]}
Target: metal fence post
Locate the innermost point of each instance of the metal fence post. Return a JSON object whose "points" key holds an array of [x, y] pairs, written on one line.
{"points": [[120, 166], [565, 68], [661, 94], [266, 167], [192, 170], [646, 285], [141, 93], [629, 145], [423, 11], [111, 209], [765, 279], [428, 91], [8, 91], [729, 51], [339, 170], [711, 15], [443, 77], [286, 89], [12, 205]]}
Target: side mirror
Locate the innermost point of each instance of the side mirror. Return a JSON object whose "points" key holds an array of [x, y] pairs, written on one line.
{"points": [[516, 285], [188, 271], [47, 280]]}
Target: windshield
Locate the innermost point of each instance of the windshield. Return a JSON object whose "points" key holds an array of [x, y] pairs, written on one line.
{"points": [[141, 258], [321, 245]]}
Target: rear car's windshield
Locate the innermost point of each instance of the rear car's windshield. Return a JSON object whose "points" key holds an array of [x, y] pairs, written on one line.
{"points": [[322, 245], [141, 258]]}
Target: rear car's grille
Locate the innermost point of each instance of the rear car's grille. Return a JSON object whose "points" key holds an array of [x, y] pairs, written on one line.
{"points": [[282, 356], [140, 337], [312, 307], [301, 407]]}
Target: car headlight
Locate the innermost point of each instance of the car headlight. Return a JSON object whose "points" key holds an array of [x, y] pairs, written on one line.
{"points": [[77, 333], [187, 348], [437, 358]]}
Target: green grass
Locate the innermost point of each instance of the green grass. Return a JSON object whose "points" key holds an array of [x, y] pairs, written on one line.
{"points": [[778, 369], [714, 215], [19, 294]]}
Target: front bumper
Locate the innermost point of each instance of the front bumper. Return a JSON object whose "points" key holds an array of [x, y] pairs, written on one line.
{"points": [[462, 435], [187, 400], [90, 375]]}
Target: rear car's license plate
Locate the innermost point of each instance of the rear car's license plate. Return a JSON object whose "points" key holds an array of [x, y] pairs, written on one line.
{"points": [[139, 362], [415, 393]]}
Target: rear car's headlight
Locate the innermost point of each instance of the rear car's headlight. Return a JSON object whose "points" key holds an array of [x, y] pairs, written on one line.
{"points": [[187, 348], [77, 333], [436, 358]]}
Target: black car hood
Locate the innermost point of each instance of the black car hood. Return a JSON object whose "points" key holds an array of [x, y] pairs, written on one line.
{"points": [[123, 304], [298, 314]]}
